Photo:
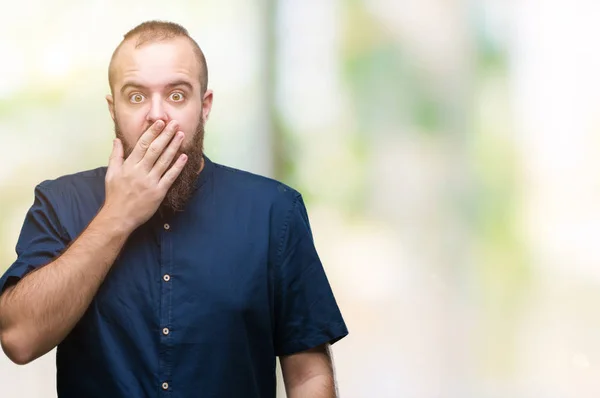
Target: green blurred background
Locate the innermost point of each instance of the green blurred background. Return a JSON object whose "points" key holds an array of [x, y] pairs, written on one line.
{"points": [[447, 151]]}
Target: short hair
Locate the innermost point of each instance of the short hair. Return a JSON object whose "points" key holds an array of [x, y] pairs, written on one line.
{"points": [[153, 31]]}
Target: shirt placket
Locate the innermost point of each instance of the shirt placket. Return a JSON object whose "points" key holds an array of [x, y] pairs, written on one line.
{"points": [[166, 294]]}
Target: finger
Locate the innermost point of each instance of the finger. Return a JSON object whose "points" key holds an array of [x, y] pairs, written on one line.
{"points": [[116, 156], [166, 158], [171, 175], [145, 140], [157, 146]]}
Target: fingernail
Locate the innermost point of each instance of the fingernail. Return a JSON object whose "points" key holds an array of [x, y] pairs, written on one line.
{"points": [[159, 124]]}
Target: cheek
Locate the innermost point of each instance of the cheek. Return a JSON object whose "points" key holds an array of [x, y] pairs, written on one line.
{"points": [[131, 125], [188, 123]]}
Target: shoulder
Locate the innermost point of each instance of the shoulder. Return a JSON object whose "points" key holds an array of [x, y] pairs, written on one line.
{"points": [[78, 181], [252, 186], [280, 203], [73, 193], [71, 200]]}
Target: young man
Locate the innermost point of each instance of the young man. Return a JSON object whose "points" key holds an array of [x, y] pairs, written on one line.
{"points": [[165, 274]]}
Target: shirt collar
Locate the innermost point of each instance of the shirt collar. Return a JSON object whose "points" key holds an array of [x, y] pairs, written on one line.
{"points": [[205, 174]]}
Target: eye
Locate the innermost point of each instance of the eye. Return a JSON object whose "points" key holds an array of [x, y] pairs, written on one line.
{"points": [[136, 98], [176, 97]]}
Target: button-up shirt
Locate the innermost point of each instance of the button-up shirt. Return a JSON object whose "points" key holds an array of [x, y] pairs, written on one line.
{"points": [[198, 303]]}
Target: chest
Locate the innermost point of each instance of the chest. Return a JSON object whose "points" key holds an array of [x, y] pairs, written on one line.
{"points": [[171, 275]]}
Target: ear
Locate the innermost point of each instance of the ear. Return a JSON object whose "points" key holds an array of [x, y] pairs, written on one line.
{"points": [[207, 102], [111, 106]]}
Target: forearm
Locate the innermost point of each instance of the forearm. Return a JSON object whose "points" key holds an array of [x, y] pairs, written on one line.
{"points": [[318, 386], [38, 312], [309, 374]]}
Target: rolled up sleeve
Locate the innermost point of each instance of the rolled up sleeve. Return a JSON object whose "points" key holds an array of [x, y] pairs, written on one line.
{"points": [[40, 241]]}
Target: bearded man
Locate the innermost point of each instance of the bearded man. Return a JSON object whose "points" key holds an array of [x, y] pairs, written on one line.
{"points": [[164, 273]]}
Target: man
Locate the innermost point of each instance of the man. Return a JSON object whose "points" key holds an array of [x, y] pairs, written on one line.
{"points": [[165, 274]]}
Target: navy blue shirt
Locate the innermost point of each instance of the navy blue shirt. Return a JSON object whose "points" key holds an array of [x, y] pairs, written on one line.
{"points": [[198, 303]]}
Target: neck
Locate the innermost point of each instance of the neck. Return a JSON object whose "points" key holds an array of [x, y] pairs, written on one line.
{"points": [[201, 166]]}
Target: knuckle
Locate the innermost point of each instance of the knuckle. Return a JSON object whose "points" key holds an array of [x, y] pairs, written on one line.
{"points": [[164, 162], [154, 149], [144, 144], [168, 177]]}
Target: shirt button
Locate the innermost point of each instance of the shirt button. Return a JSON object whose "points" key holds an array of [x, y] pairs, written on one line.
{"points": [[166, 331], [167, 226], [165, 386], [166, 278]]}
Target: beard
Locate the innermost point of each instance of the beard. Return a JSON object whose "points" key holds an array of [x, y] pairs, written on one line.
{"points": [[182, 189]]}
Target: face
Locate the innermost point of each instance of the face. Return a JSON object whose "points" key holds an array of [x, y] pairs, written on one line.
{"points": [[160, 81]]}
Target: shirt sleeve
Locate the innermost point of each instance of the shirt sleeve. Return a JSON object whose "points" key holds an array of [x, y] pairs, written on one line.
{"points": [[40, 241], [306, 312]]}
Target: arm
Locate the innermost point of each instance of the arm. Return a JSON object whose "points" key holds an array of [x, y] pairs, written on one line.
{"points": [[309, 374], [38, 312], [43, 307], [307, 318]]}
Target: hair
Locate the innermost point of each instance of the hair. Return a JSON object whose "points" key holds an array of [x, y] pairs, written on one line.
{"points": [[154, 31]]}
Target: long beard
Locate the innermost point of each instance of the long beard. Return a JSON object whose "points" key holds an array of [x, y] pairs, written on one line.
{"points": [[182, 189]]}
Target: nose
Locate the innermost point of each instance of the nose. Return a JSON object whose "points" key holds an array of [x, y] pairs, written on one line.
{"points": [[157, 111]]}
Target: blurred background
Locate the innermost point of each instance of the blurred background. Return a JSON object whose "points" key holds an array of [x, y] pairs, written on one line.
{"points": [[446, 150]]}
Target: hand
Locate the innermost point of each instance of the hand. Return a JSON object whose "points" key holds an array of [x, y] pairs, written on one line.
{"points": [[135, 187]]}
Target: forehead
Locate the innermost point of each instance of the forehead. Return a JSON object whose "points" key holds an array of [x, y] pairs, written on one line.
{"points": [[156, 63]]}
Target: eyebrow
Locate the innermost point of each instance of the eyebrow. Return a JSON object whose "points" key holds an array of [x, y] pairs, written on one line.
{"points": [[171, 85]]}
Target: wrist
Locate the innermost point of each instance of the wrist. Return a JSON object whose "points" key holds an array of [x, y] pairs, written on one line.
{"points": [[115, 221]]}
